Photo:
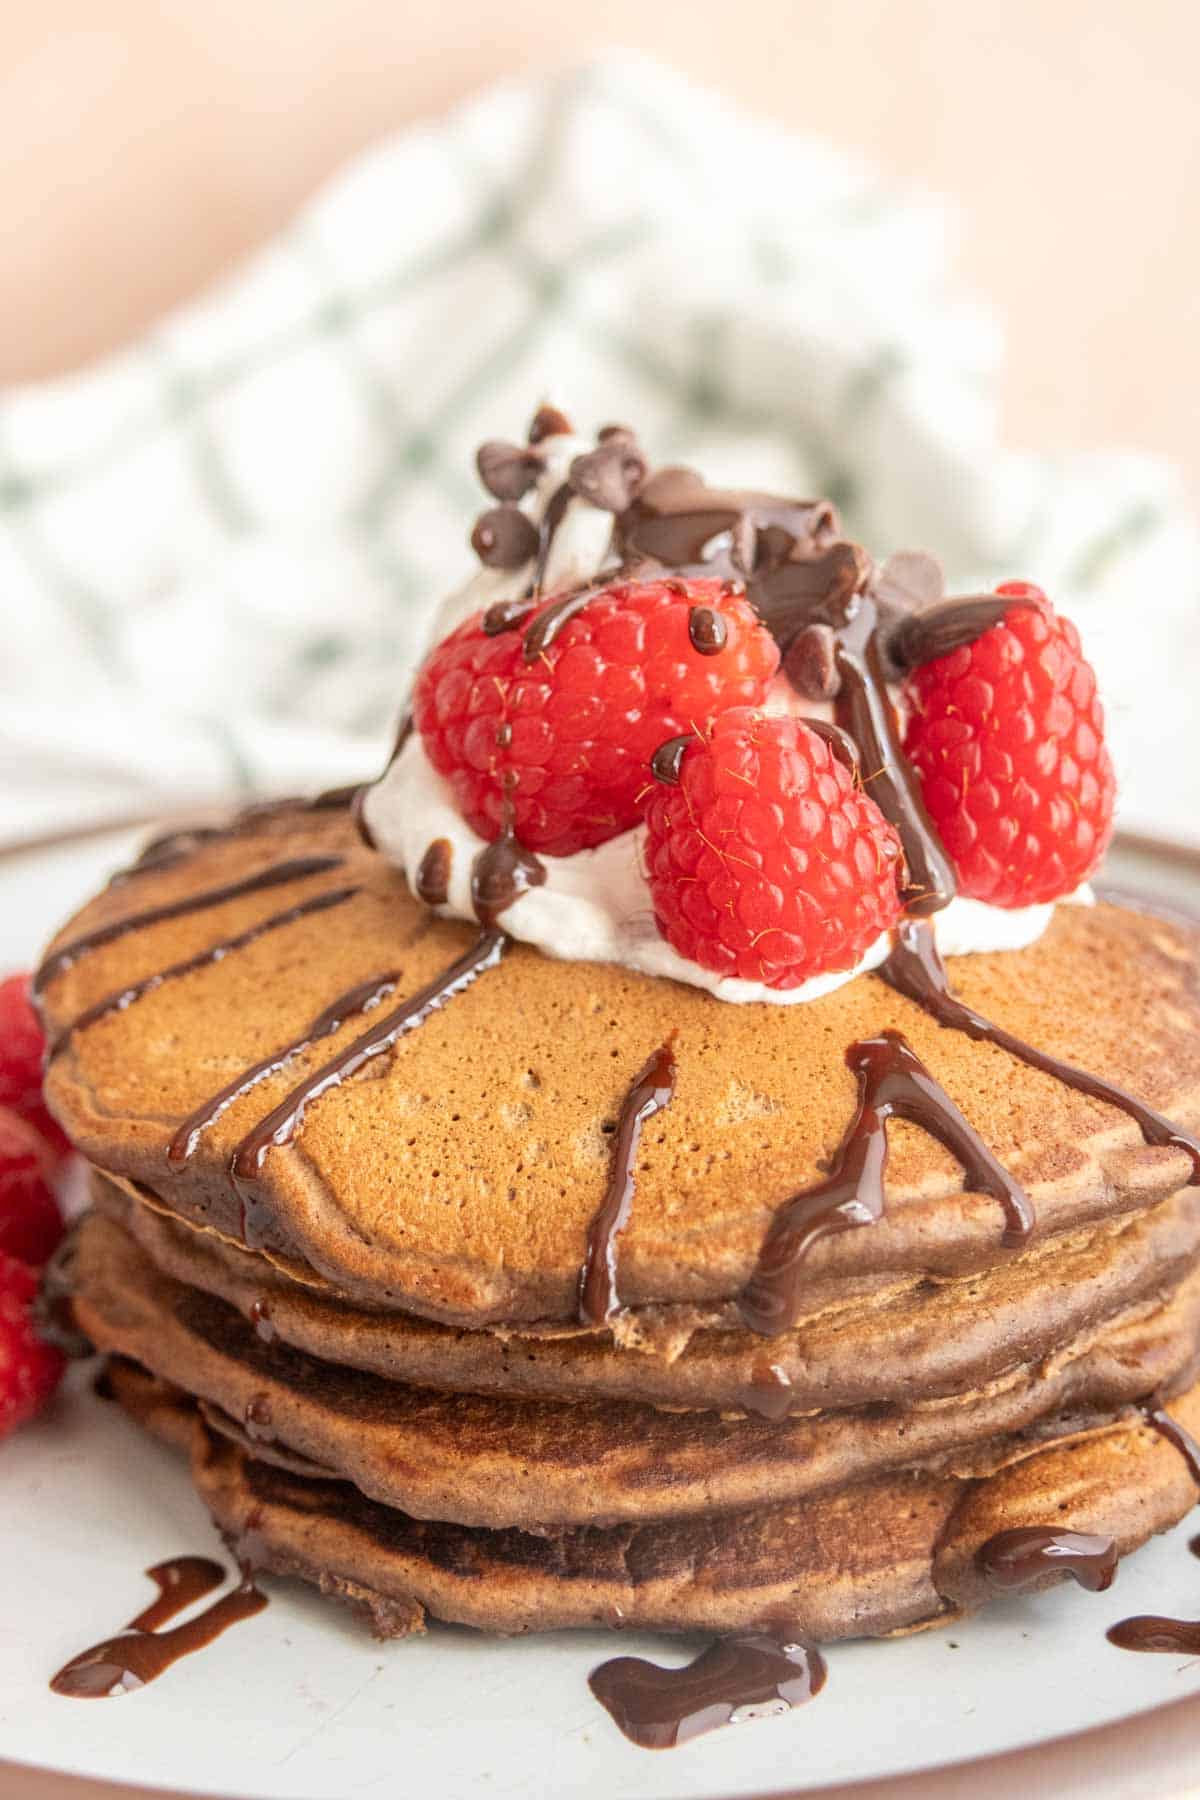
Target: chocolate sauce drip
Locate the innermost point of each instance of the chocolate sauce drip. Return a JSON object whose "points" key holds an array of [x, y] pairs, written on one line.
{"points": [[916, 970], [433, 873], [548, 421], [260, 1318], [277, 875], [53, 1313], [1023, 1557], [707, 630], [363, 997], [839, 741], [892, 1083], [748, 1676], [551, 620], [666, 765], [653, 1089], [505, 538], [506, 615], [769, 1393], [284, 1121], [124, 998], [547, 531], [508, 471], [143, 1652], [1149, 1632], [501, 872], [921, 637], [1160, 1420]]}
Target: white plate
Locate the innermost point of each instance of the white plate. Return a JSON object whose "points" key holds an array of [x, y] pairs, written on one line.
{"points": [[300, 1704]]}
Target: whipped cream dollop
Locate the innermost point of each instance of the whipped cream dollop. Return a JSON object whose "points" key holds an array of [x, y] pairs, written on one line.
{"points": [[595, 906]]}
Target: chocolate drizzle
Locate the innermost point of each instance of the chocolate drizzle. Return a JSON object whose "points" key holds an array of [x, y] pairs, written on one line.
{"points": [[433, 873], [892, 1083], [361, 998], [751, 1675], [547, 531], [666, 765], [283, 1121], [1150, 1632], [707, 630], [651, 1091], [916, 970], [503, 871], [1160, 1420], [143, 1652], [1025, 1556], [277, 875], [124, 998]]}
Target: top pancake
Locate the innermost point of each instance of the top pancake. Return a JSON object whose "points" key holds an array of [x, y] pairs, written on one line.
{"points": [[456, 1175]]}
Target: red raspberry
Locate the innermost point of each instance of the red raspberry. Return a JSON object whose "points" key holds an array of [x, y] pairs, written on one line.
{"points": [[30, 1221], [768, 861], [29, 1369], [568, 736], [1007, 736], [22, 1046]]}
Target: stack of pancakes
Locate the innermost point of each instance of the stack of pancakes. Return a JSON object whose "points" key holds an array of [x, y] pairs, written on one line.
{"points": [[372, 1347]]}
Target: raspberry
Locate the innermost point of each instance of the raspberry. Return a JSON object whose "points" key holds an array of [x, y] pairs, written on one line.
{"points": [[29, 1369], [30, 1221], [768, 861], [21, 1050], [1007, 737], [564, 740]]}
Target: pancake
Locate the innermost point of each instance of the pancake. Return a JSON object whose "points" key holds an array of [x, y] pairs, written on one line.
{"points": [[925, 1338], [895, 1554], [541, 1466], [456, 1177]]}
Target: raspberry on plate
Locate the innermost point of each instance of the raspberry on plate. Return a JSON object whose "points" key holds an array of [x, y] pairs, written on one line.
{"points": [[1007, 737], [22, 1047], [30, 1221], [30, 1370], [767, 861], [564, 736]]}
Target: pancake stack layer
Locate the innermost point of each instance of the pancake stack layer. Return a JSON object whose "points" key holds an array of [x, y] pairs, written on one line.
{"points": [[351, 1161]]}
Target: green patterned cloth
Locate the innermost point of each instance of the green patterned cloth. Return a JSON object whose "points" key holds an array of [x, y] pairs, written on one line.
{"points": [[220, 548]]}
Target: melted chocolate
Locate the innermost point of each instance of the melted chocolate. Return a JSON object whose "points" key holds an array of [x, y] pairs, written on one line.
{"points": [[923, 636], [124, 998], [1176, 1435], [503, 871], [653, 1089], [748, 1676], [283, 1121], [277, 875], [547, 531], [260, 1318], [551, 620], [433, 873], [1148, 1632], [916, 970], [506, 615], [707, 631], [142, 1652], [1023, 1557], [666, 765], [892, 1083], [770, 1391], [361, 998]]}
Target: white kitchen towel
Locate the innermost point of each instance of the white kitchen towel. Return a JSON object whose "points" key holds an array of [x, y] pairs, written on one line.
{"points": [[219, 549]]}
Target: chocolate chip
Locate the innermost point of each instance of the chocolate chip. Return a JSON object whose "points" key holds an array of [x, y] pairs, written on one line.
{"points": [[609, 476], [507, 470], [504, 538], [548, 421]]}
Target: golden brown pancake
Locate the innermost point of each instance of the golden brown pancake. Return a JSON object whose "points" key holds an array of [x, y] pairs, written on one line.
{"points": [[456, 1176], [894, 1554], [490, 1461]]}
